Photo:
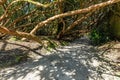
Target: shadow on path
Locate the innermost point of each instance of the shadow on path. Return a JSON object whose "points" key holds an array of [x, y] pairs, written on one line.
{"points": [[73, 62]]}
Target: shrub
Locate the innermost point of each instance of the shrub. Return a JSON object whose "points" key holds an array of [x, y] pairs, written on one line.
{"points": [[100, 34]]}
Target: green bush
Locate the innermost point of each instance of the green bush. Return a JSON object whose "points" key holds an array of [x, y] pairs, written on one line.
{"points": [[100, 35]]}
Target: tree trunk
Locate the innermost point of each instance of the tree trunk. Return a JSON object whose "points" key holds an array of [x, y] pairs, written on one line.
{"points": [[115, 21]]}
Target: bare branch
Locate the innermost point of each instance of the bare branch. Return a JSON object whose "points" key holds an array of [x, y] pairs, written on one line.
{"points": [[20, 34], [2, 2], [77, 22], [75, 12], [21, 18]]}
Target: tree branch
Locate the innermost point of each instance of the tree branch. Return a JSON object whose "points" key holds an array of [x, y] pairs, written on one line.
{"points": [[20, 34], [77, 22], [75, 12]]}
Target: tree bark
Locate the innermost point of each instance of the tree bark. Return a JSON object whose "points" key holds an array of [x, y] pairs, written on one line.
{"points": [[115, 21], [20, 34], [75, 12]]}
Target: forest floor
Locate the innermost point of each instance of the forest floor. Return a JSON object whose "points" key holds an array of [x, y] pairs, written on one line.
{"points": [[77, 61]]}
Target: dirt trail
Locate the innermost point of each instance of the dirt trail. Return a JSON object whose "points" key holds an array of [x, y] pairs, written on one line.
{"points": [[77, 61]]}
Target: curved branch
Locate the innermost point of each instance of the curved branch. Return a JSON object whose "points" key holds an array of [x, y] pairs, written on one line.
{"points": [[30, 1], [76, 22], [20, 34], [75, 12]]}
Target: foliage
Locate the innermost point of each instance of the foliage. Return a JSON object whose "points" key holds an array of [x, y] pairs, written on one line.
{"points": [[101, 31], [51, 22], [99, 36], [55, 19], [107, 27]]}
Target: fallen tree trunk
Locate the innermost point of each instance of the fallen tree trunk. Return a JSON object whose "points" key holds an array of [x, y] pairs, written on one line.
{"points": [[20, 34]]}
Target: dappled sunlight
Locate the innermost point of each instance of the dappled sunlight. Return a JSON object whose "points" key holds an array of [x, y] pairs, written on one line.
{"points": [[76, 62], [59, 39]]}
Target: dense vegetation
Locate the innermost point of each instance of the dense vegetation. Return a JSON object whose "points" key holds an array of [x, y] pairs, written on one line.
{"points": [[60, 19]]}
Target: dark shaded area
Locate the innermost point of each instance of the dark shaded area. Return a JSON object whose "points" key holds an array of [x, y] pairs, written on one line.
{"points": [[12, 53], [12, 57]]}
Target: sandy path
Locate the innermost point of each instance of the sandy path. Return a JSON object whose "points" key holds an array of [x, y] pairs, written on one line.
{"points": [[78, 61]]}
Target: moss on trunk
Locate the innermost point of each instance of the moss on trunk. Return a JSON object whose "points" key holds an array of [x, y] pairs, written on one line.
{"points": [[115, 21]]}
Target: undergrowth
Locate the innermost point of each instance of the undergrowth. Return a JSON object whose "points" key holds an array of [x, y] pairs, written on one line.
{"points": [[100, 35]]}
